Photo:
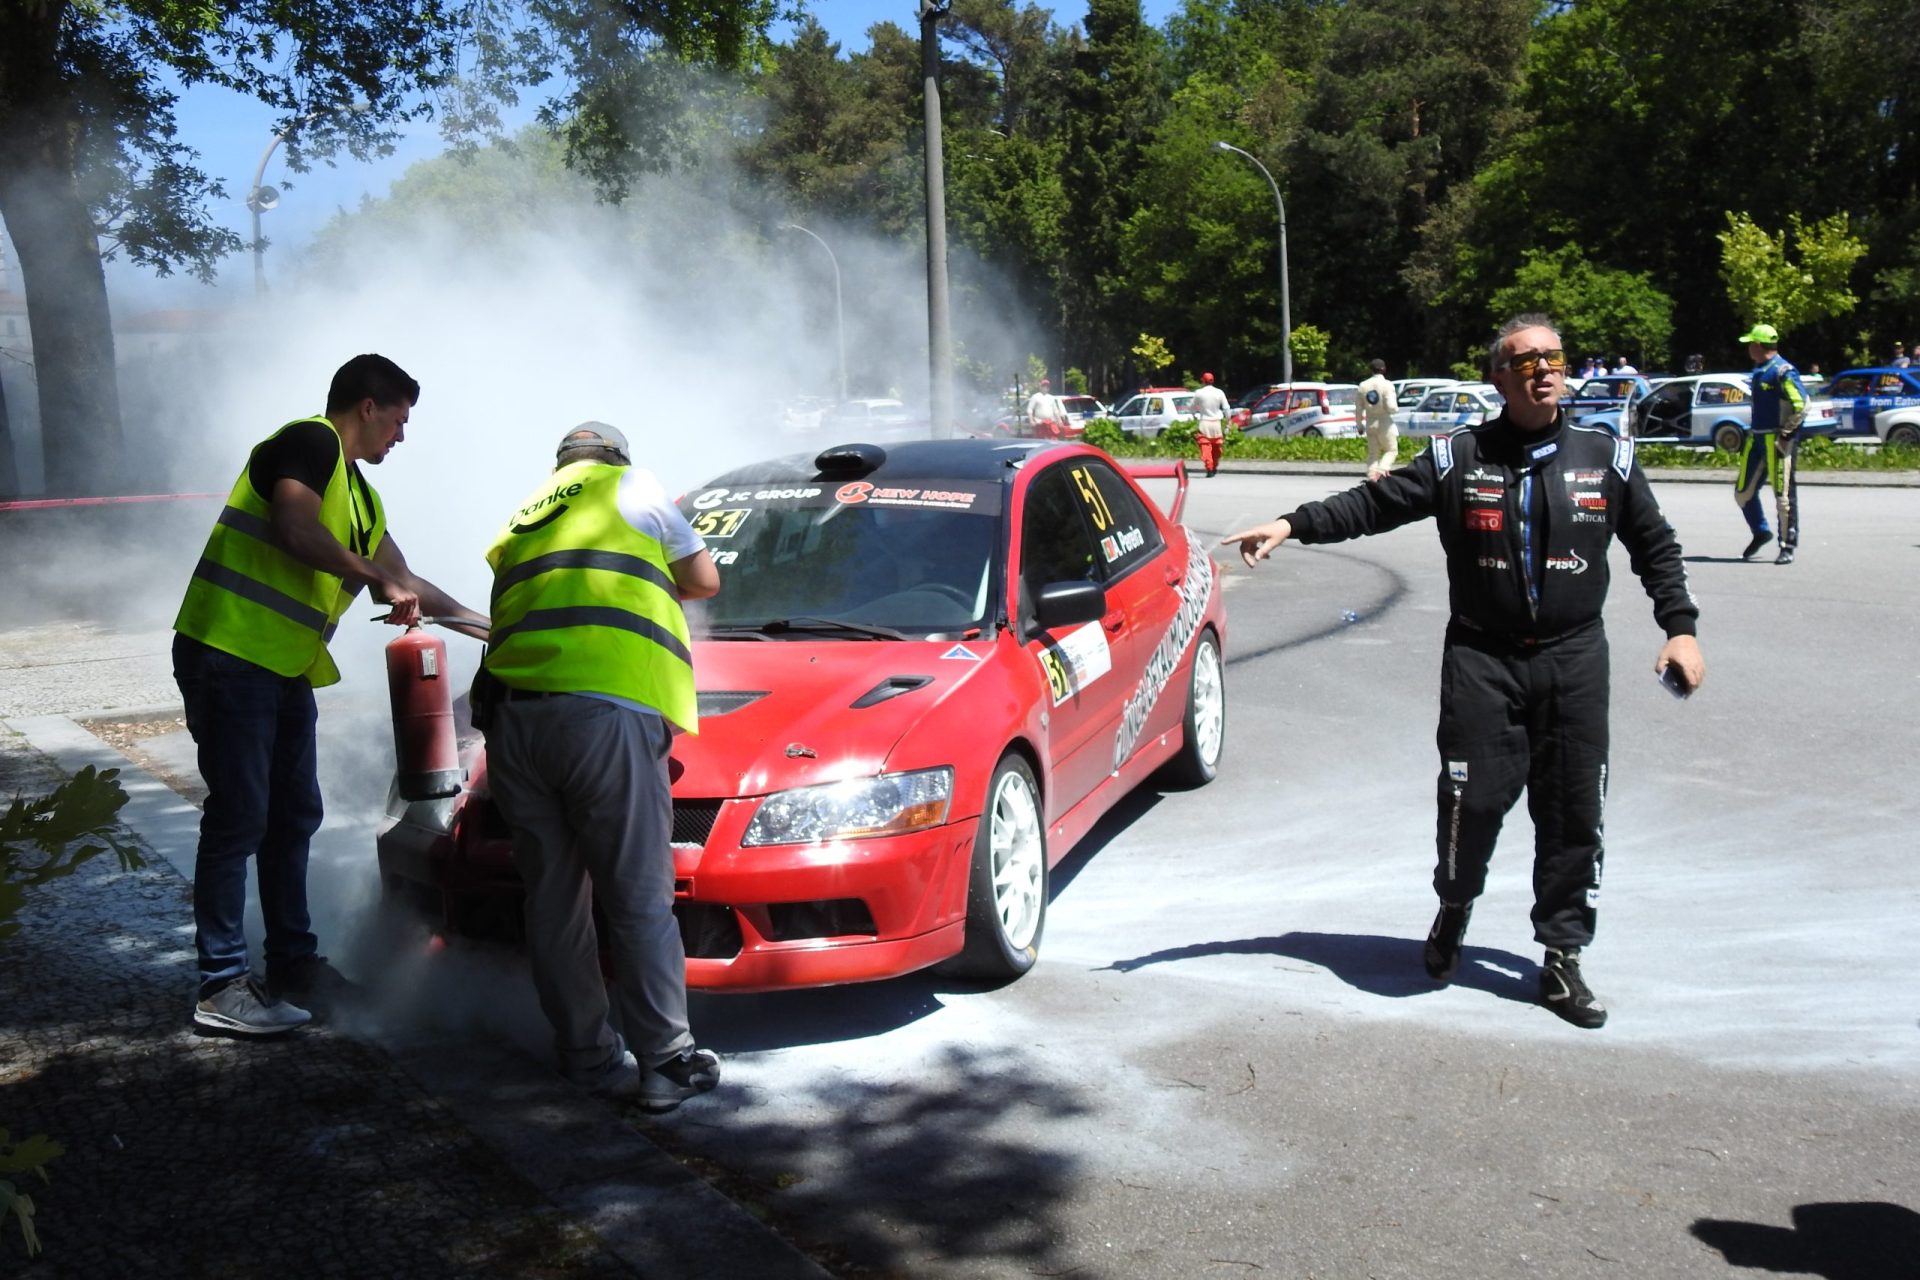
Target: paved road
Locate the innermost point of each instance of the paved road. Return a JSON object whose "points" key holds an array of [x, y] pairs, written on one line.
{"points": [[1228, 1062]]}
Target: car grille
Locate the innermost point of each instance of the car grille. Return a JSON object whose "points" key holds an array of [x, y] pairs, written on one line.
{"points": [[693, 822]]}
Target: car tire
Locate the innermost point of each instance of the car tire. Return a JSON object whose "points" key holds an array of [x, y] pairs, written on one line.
{"points": [[1008, 883], [1204, 730], [1728, 437], [1906, 433]]}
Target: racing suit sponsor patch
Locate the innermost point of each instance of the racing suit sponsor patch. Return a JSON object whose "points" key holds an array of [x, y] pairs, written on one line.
{"points": [[1442, 454], [1486, 519], [1457, 770], [1195, 589], [1623, 456], [1572, 562]]}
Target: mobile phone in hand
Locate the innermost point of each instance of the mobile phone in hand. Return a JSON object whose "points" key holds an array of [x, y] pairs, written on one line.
{"points": [[1670, 678]]}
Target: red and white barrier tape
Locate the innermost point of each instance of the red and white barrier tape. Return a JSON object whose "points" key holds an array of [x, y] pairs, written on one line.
{"points": [[30, 504]]}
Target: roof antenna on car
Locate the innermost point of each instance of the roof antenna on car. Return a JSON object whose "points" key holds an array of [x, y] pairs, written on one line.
{"points": [[851, 459]]}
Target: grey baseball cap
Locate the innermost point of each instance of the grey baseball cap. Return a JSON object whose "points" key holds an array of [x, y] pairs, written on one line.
{"points": [[595, 435]]}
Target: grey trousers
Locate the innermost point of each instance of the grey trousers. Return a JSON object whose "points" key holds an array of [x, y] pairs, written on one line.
{"points": [[583, 785]]}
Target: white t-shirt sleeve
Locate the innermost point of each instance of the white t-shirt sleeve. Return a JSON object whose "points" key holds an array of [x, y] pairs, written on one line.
{"points": [[646, 507]]}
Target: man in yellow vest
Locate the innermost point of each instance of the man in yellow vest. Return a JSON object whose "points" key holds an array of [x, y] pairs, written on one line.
{"points": [[302, 532], [592, 649]]}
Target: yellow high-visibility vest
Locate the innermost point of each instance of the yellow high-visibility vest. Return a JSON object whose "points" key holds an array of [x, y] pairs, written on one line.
{"points": [[250, 598], [585, 603]]}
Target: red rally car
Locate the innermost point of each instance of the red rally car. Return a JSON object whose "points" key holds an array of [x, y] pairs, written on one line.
{"points": [[930, 669]]}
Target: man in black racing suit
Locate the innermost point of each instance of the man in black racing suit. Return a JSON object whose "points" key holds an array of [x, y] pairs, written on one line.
{"points": [[1527, 506]]}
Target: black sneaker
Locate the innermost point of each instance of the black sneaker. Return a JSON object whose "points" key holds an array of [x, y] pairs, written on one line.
{"points": [[1445, 939], [1785, 556], [1564, 991], [310, 979], [1760, 540], [689, 1072]]}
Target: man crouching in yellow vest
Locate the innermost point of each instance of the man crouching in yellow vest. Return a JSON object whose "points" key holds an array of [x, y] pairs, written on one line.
{"points": [[302, 532], [592, 648]]}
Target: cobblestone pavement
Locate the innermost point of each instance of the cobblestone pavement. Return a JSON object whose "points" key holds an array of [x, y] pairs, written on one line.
{"points": [[331, 1152], [191, 1156]]}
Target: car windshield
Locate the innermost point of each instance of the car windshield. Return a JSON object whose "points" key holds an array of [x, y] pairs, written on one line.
{"points": [[803, 558]]}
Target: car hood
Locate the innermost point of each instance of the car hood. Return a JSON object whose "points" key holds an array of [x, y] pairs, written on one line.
{"points": [[778, 714]]}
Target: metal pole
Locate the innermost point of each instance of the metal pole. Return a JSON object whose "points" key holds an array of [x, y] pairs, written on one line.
{"points": [[359, 107], [939, 332], [253, 205], [1286, 309], [839, 316]]}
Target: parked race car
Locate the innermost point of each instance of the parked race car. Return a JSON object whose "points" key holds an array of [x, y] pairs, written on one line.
{"points": [[1704, 408], [1153, 410], [1280, 411], [1881, 404], [1462, 404], [1609, 391], [1080, 410], [931, 669]]}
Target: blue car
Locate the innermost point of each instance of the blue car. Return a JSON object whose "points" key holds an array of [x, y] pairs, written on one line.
{"points": [[1880, 404], [1608, 392]]}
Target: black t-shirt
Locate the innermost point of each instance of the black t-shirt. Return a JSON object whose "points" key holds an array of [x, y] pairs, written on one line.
{"points": [[305, 451], [308, 452]]}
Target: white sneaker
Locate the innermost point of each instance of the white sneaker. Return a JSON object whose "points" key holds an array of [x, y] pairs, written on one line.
{"points": [[243, 1008]]}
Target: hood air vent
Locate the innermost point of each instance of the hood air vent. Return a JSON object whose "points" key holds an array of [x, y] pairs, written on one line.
{"points": [[891, 687]]}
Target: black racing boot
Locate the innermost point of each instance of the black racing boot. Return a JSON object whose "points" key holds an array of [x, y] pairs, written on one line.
{"points": [[1445, 939], [1760, 540], [1564, 991]]}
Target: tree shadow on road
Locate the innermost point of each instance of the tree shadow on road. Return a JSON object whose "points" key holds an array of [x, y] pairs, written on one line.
{"points": [[1865, 1240], [870, 1176], [823, 1015], [1378, 965]]}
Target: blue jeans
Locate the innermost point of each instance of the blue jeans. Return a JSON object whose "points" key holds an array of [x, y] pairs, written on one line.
{"points": [[255, 732]]}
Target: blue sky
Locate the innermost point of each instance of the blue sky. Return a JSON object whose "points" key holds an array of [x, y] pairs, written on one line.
{"points": [[230, 132]]}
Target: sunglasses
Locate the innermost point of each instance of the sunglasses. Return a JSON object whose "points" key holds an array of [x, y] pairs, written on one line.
{"points": [[1525, 365]]}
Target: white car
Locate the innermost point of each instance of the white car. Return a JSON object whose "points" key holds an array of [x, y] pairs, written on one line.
{"points": [[1154, 410], [1411, 391], [1702, 408], [1464, 404]]}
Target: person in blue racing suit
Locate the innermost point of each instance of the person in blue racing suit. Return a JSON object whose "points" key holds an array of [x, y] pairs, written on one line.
{"points": [[1779, 407], [1526, 507]]}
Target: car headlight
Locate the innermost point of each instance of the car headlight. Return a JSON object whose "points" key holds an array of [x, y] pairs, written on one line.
{"points": [[860, 807]]}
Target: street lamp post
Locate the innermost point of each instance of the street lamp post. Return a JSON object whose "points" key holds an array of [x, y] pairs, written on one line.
{"points": [[1286, 310], [839, 316], [260, 199], [939, 331]]}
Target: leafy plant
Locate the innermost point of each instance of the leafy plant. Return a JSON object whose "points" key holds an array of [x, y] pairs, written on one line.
{"points": [[1152, 352], [1766, 284], [1310, 343], [38, 840]]}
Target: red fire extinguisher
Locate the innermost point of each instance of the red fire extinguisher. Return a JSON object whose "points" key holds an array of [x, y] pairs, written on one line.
{"points": [[427, 759]]}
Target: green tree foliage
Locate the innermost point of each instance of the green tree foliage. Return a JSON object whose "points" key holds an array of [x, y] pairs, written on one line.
{"points": [[1112, 101], [1310, 344], [1598, 309], [1789, 285], [91, 164], [1152, 353]]}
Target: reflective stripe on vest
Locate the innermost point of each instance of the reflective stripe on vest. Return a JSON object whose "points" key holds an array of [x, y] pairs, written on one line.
{"points": [[584, 603], [249, 598]]}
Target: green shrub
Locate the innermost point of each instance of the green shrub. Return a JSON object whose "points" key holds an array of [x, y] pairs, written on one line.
{"points": [[37, 845]]}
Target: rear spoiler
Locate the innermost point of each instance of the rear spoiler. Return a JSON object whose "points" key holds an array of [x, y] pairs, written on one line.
{"points": [[1175, 471]]}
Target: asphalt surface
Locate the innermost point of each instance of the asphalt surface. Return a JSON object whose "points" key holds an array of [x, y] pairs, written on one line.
{"points": [[1227, 1062]]}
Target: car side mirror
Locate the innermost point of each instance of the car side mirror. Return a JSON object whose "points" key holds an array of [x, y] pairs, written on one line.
{"points": [[1065, 604]]}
